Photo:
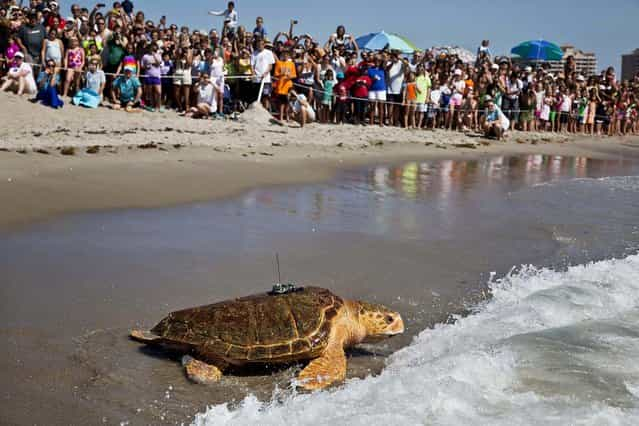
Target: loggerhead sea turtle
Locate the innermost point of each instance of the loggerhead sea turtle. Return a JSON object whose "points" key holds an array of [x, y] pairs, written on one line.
{"points": [[309, 323]]}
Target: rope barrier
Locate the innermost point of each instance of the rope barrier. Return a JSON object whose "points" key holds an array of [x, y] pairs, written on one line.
{"points": [[316, 90]]}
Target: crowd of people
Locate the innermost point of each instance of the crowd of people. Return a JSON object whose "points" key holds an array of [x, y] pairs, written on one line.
{"points": [[119, 58]]}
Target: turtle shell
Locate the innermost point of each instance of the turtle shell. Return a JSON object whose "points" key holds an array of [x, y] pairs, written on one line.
{"points": [[259, 328]]}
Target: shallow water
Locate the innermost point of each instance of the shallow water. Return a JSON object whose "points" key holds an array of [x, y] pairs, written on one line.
{"points": [[421, 237]]}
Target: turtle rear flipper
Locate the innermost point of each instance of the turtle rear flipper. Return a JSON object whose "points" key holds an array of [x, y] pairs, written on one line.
{"points": [[144, 336]]}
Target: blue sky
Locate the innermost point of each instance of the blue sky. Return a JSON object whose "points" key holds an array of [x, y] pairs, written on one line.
{"points": [[608, 28]]}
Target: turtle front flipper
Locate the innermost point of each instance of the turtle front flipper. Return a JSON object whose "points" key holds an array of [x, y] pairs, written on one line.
{"points": [[144, 336], [325, 370], [200, 372]]}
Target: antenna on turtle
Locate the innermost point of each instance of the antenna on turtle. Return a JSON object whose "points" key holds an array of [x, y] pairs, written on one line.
{"points": [[277, 260]]}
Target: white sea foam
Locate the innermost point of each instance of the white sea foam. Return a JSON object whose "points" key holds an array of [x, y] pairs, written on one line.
{"points": [[549, 348]]}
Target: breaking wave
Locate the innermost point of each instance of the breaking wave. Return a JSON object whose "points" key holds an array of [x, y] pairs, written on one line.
{"points": [[549, 347]]}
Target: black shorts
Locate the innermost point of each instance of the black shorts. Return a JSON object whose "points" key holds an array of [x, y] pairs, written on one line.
{"points": [[394, 98], [283, 99], [563, 117]]}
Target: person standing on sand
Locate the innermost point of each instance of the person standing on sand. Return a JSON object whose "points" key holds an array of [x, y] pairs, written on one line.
{"points": [[284, 73], [262, 61]]}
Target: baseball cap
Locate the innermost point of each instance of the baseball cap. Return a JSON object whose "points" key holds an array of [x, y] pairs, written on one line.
{"points": [[457, 72], [581, 78], [19, 55], [128, 68], [528, 69], [494, 66]]}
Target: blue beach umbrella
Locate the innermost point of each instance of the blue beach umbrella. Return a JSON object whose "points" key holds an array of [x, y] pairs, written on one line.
{"points": [[538, 50], [383, 40]]}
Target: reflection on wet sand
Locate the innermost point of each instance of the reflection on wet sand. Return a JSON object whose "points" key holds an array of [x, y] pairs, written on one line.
{"points": [[360, 201]]}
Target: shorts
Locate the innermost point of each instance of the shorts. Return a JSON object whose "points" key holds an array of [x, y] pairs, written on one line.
{"points": [[377, 95], [182, 78], [553, 116], [395, 97], [563, 117], [456, 100], [282, 99], [152, 81], [432, 111], [421, 107]]}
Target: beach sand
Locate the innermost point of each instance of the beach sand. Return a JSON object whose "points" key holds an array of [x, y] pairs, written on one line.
{"points": [[69, 297], [59, 161]]}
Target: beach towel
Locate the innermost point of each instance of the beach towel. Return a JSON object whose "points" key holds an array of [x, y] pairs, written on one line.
{"points": [[87, 98]]}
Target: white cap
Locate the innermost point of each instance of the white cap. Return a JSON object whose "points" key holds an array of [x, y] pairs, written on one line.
{"points": [[457, 72], [528, 69], [581, 78], [19, 55], [495, 66]]}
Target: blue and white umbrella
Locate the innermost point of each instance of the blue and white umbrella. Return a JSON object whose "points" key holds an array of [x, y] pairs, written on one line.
{"points": [[383, 40]]}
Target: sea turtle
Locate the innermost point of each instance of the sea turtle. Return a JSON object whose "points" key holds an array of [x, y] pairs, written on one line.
{"points": [[308, 323]]}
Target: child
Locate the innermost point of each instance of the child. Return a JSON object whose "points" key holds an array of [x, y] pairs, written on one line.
{"points": [[592, 111], [433, 106], [328, 84], [73, 62], [546, 111], [423, 86], [469, 114], [341, 103], [410, 101], [284, 74]]}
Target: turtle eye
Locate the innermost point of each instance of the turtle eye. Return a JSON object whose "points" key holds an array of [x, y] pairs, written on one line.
{"points": [[389, 319]]}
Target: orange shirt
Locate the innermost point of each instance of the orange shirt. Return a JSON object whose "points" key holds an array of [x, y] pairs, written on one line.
{"points": [[284, 73], [470, 84], [411, 91]]}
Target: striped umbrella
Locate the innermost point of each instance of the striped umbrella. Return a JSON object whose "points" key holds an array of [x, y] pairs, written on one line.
{"points": [[383, 40]]}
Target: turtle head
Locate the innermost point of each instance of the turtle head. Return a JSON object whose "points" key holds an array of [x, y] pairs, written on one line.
{"points": [[379, 321]]}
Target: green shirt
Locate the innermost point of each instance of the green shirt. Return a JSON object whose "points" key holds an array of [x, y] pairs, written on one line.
{"points": [[423, 83]]}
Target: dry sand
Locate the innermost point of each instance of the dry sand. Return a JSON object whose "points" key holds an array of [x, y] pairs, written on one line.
{"points": [[58, 161]]}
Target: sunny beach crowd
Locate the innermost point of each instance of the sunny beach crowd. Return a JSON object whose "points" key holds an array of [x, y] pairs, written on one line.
{"points": [[115, 57]]}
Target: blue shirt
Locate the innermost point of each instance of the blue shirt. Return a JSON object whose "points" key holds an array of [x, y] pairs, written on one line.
{"points": [[378, 77], [128, 88], [260, 32]]}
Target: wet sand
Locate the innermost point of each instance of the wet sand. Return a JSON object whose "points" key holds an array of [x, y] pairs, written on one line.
{"points": [[70, 293], [145, 160]]}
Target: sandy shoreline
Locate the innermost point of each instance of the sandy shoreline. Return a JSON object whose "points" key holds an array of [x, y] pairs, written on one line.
{"points": [[152, 160]]}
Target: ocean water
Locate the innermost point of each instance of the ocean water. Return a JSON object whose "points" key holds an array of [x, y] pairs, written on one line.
{"points": [[548, 348], [554, 342], [551, 346]]}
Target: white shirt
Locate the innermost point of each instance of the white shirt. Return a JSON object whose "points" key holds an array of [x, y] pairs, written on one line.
{"points": [[30, 84], [260, 61], [396, 78], [229, 15], [206, 95]]}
